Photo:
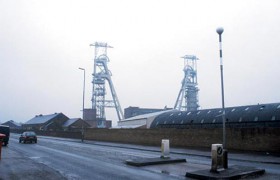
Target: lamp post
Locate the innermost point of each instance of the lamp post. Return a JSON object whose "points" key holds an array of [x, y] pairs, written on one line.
{"points": [[220, 30], [83, 103]]}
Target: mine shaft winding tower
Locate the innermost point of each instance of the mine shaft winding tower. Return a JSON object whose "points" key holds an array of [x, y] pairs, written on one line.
{"points": [[101, 75], [187, 99]]}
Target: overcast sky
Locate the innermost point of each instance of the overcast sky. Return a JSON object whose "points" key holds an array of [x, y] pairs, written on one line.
{"points": [[44, 42]]}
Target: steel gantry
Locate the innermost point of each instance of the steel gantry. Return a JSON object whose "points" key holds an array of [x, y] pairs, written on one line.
{"points": [[187, 99], [101, 74]]}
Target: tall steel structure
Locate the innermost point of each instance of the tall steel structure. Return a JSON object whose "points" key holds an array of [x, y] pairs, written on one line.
{"points": [[101, 74], [187, 99]]}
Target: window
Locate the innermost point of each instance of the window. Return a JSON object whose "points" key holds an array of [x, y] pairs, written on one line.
{"points": [[182, 122], [164, 122], [30, 134], [157, 123], [240, 119], [214, 120], [202, 121], [173, 122], [273, 118], [256, 118]]}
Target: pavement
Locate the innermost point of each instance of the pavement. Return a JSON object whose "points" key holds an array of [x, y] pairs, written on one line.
{"points": [[232, 172]]}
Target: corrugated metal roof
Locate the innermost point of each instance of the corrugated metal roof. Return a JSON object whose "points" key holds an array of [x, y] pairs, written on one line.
{"points": [[41, 119], [260, 113]]}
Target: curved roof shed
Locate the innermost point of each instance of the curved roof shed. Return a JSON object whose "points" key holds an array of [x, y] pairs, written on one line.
{"points": [[240, 116]]}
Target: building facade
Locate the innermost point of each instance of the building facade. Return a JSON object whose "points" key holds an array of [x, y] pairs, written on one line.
{"points": [[75, 124], [51, 122]]}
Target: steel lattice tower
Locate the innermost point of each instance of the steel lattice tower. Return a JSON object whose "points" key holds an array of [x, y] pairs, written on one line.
{"points": [[188, 96], [101, 74]]}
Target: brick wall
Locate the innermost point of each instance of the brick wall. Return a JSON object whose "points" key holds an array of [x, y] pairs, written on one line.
{"points": [[247, 139], [251, 139]]}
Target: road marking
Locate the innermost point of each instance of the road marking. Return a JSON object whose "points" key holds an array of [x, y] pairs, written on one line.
{"points": [[142, 155]]}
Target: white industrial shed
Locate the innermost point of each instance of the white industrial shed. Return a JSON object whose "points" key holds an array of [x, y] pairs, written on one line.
{"points": [[142, 121]]}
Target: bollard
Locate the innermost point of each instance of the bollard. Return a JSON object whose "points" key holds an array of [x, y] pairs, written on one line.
{"points": [[225, 159], [2, 136], [217, 157], [165, 148]]}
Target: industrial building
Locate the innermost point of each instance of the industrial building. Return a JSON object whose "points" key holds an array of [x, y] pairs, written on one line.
{"points": [[260, 115], [136, 111], [186, 112], [59, 121], [140, 121], [93, 121], [49, 122]]}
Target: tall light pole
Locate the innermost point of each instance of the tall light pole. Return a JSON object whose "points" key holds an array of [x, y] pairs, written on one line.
{"points": [[84, 91], [83, 103], [220, 30]]}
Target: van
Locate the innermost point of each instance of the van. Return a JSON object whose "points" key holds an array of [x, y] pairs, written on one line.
{"points": [[5, 130]]}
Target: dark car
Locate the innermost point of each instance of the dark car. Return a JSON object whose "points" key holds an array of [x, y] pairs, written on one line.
{"points": [[5, 130], [28, 136]]}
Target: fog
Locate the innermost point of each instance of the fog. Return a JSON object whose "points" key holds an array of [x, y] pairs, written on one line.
{"points": [[43, 43]]}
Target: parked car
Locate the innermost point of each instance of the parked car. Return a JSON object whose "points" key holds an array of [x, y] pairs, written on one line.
{"points": [[5, 130], [28, 136]]}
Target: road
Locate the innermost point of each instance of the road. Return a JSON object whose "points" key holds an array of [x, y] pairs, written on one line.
{"points": [[97, 160]]}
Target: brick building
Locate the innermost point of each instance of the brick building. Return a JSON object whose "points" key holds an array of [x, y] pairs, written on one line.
{"points": [[49, 122], [75, 124]]}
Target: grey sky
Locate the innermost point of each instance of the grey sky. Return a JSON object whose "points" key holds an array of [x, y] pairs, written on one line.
{"points": [[43, 42]]}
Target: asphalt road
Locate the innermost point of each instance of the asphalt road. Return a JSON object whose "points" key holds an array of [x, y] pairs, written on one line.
{"points": [[76, 160], [72, 159]]}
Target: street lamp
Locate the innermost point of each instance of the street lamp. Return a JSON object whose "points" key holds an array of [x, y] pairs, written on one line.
{"points": [[83, 90], [220, 30], [83, 103]]}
